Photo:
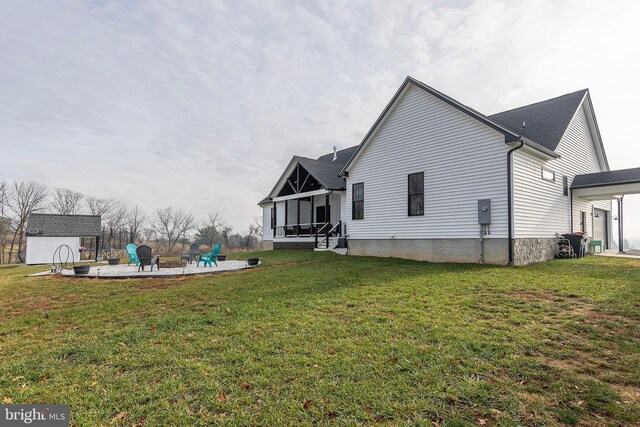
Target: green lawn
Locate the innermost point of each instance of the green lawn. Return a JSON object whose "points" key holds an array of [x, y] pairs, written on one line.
{"points": [[316, 338]]}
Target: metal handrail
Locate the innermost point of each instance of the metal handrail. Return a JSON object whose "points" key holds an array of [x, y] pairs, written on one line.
{"points": [[339, 224], [320, 231], [328, 233]]}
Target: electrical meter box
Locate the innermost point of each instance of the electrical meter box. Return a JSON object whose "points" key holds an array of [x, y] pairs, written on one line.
{"points": [[484, 211]]}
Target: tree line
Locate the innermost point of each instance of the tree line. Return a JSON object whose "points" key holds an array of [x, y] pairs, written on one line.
{"points": [[168, 229]]}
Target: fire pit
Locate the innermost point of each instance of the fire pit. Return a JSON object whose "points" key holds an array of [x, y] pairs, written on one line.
{"points": [[81, 269], [171, 264]]}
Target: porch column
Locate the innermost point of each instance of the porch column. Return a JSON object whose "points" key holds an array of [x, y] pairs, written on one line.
{"points": [[620, 227], [286, 216], [298, 218], [274, 220], [327, 212], [312, 199]]}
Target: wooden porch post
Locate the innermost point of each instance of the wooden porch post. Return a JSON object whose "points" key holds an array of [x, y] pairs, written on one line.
{"points": [[312, 199], [286, 216], [298, 218], [275, 219], [327, 211], [620, 228]]}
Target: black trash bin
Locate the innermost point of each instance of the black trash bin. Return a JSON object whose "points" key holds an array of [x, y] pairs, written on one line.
{"points": [[577, 243]]}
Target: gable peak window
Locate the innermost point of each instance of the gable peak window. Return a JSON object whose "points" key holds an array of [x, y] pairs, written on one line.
{"points": [[416, 194], [357, 201]]}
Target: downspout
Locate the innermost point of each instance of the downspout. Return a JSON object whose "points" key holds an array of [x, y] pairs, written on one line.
{"points": [[510, 197], [571, 209]]}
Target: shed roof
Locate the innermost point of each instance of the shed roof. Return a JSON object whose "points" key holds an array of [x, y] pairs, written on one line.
{"points": [[53, 225], [598, 179]]}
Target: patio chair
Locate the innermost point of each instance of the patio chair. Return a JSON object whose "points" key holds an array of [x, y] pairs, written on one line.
{"points": [[145, 258], [210, 257], [194, 250], [131, 251]]}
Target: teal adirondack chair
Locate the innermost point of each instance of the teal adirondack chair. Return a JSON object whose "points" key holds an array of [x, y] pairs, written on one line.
{"points": [[131, 251], [210, 257]]}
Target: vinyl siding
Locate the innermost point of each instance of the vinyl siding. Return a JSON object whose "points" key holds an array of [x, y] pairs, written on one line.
{"points": [[267, 232], [540, 208], [462, 159]]}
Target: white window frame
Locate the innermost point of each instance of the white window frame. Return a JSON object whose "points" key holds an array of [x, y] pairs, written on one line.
{"points": [[544, 170]]}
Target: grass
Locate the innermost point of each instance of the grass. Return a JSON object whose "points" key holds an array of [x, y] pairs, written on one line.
{"points": [[316, 338]]}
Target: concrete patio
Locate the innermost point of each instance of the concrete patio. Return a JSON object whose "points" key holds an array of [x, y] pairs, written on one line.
{"points": [[124, 271]]}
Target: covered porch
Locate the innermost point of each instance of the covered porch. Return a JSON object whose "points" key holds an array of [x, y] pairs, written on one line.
{"points": [[306, 214], [306, 207], [610, 185]]}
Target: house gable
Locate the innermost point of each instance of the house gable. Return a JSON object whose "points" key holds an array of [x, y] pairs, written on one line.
{"points": [[540, 207], [462, 159], [509, 135]]}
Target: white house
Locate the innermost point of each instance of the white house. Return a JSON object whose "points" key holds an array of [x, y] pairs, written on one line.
{"points": [[45, 232], [436, 180]]}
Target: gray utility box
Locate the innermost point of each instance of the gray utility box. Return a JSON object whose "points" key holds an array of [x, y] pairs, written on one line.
{"points": [[484, 211]]}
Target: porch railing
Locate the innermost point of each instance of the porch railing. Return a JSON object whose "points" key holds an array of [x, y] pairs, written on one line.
{"points": [[327, 230], [298, 230]]}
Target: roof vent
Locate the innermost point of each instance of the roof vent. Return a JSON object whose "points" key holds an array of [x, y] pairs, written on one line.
{"points": [[335, 153], [524, 125]]}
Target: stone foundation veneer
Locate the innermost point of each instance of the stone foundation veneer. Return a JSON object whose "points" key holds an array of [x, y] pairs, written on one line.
{"points": [[528, 250]]}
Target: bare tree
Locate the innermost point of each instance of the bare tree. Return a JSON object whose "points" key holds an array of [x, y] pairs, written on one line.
{"points": [[24, 199], [170, 225], [114, 219], [136, 220], [255, 233], [65, 201], [257, 227], [4, 222], [99, 206]]}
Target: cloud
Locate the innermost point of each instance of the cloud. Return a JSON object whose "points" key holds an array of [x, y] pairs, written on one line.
{"points": [[149, 102]]}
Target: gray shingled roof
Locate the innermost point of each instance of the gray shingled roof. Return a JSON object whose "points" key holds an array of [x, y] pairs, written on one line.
{"points": [[51, 225], [622, 176], [324, 169], [327, 171], [546, 121]]}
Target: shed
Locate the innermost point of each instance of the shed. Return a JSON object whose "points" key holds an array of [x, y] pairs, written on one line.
{"points": [[45, 232]]}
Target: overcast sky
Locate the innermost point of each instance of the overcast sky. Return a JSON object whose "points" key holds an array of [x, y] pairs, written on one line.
{"points": [[201, 104]]}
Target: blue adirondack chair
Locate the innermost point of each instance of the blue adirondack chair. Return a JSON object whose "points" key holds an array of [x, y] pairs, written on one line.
{"points": [[210, 257], [131, 251]]}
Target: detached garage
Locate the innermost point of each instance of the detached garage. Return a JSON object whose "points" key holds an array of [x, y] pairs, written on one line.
{"points": [[45, 232]]}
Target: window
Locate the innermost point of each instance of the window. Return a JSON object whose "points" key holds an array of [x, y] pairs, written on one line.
{"points": [[273, 218], [548, 175], [357, 201], [565, 185], [583, 221], [416, 194]]}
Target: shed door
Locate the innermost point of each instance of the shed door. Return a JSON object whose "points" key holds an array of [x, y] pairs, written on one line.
{"points": [[600, 226]]}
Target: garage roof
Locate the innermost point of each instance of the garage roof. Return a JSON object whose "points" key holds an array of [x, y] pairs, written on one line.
{"points": [[606, 185]]}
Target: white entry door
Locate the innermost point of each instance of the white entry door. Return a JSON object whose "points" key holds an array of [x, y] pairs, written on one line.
{"points": [[600, 226]]}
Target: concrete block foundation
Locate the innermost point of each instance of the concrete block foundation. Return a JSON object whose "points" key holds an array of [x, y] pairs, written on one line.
{"points": [[434, 250]]}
